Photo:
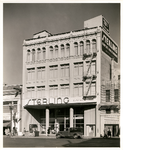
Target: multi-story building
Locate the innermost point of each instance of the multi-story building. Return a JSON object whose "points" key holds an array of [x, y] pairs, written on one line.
{"points": [[11, 107], [64, 76]]}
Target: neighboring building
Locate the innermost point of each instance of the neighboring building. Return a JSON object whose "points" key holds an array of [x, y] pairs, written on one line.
{"points": [[11, 99], [63, 78]]}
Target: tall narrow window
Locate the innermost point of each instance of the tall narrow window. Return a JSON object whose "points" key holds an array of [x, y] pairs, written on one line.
{"points": [[116, 95], [51, 52], [94, 45], [41, 92], [53, 90], [38, 54], [30, 92], [76, 48], [91, 68], [92, 89], [78, 89], [81, 48], [56, 51], [53, 71], [30, 74], [64, 90], [62, 51], [41, 73], [87, 46], [110, 72], [67, 50], [107, 95], [28, 55], [78, 69], [65, 70], [44, 53], [33, 55]]}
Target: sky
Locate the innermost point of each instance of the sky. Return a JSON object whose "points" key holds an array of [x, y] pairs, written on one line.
{"points": [[21, 21]]}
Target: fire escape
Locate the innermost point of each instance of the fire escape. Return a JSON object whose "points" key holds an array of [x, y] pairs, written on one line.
{"points": [[88, 78]]}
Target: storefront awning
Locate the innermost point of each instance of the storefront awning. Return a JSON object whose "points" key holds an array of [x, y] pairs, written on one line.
{"points": [[49, 106], [6, 124], [104, 107]]}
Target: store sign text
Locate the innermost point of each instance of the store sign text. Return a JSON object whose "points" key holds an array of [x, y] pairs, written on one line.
{"points": [[105, 25], [109, 47]]}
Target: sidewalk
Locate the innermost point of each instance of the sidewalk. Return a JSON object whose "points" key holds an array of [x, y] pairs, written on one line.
{"points": [[52, 136]]}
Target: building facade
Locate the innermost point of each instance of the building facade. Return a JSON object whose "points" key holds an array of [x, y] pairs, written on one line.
{"points": [[11, 107], [63, 78]]}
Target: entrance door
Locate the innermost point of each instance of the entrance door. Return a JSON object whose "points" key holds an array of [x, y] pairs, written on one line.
{"points": [[90, 130], [114, 128]]}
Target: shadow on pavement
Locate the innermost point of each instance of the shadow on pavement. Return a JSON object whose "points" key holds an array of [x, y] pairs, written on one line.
{"points": [[96, 142]]}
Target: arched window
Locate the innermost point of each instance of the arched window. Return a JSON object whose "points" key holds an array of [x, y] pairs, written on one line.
{"points": [[94, 45], [38, 54], [28, 55], [44, 53], [67, 50], [81, 48], [33, 54], [87, 46], [62, 51], [76, 48], [56, 51], [51, 52]]}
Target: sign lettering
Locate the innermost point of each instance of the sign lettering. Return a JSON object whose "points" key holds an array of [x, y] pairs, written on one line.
{"points": [[109, 47], [105, 25]]}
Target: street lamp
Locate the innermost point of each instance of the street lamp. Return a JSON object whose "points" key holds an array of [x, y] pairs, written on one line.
{"points": [[11, 106]]}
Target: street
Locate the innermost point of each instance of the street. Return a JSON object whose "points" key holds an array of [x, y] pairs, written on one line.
{"points": [[62, 142]]}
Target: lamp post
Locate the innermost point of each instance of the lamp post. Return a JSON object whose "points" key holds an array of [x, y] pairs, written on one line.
{"points": [[11, 106]]}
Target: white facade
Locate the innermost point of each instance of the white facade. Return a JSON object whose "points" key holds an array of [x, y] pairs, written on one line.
{"points": [[62, 75]]}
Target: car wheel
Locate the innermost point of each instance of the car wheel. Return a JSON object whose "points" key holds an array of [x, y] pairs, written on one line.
{"points": [[75, 136], [58, 136]]}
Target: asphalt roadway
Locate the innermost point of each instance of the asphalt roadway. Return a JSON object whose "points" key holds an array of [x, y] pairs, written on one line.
{"points": [[62, 142]]}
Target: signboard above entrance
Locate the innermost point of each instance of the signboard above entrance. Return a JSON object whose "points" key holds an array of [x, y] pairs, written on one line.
{"points": [[109, 46]]}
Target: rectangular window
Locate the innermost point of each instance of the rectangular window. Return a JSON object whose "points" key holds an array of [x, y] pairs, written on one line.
{"points": [[64, 90], [116, 95], [44, 55], [30, 74], [33, 56], [91, 90], [53, 90], [39, 55], [51, 53], [56, 53], [41, 73], [40, 91], [67, 51], [107, 95], [30, 92], [62, 52], [65, 70], [110, 72], [78, 89], [28, 56], [91, 68], [53, 72], [78, 69]]}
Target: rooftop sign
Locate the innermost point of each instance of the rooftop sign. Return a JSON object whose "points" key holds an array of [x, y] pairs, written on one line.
{"points": [[109, 46]]}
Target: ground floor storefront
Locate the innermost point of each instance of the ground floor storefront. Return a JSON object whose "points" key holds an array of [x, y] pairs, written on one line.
{"points": [[60, 117]]}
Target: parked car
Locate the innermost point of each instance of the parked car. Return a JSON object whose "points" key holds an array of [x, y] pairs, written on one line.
{"points": [[71, 132]]}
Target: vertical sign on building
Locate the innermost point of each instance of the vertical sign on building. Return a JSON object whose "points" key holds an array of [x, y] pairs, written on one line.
{"points": [[105, 24], [109, 47]]}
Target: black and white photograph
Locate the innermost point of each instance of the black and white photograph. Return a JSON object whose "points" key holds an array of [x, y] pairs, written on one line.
{"points": [[61, 75]]}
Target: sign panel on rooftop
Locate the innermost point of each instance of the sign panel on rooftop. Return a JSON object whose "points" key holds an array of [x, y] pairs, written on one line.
{"points": [[109, 46]]}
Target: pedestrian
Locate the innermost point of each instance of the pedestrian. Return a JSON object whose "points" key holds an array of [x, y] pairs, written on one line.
{"points": [[105, 133], [24, 132], [109, 133], [48, 131]]}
